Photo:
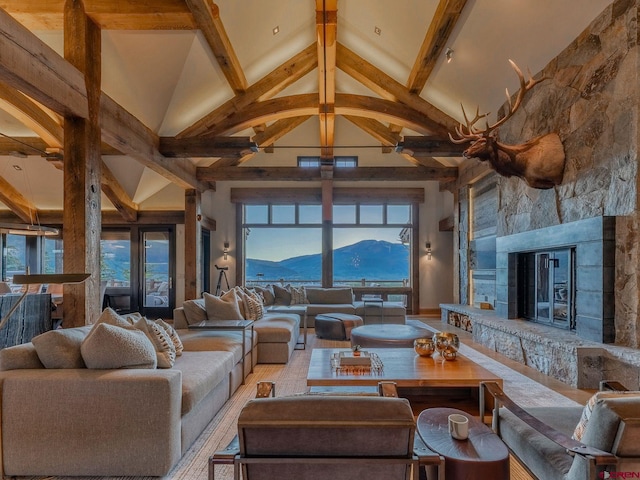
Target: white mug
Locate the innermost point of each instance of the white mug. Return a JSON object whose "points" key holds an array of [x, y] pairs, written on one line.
{"points": [[458, 426]]}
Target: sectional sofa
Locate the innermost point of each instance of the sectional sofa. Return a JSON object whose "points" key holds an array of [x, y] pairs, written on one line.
{"points": [[61, 418]]}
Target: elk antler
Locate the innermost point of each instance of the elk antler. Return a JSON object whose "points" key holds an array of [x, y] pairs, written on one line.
{"points": [[474, 134]]}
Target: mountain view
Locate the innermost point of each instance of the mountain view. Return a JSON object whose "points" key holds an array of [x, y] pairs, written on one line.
{"points": [[373, 260]]}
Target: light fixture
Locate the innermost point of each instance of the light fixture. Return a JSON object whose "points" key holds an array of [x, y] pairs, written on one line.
{"points": [[377, 31], [39, 279], [28, 229], [276, 30], [449, 54], [225, 251], [428, 247]]}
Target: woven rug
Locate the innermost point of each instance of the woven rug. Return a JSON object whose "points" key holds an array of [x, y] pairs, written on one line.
{"points": [[291, 379]]}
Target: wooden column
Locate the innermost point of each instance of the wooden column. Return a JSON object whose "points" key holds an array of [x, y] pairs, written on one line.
{"points": [[192, 244], [82, 171], [327, 226]]}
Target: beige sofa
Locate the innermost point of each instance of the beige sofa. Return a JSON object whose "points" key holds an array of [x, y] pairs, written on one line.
{"points": [[112, 422]]}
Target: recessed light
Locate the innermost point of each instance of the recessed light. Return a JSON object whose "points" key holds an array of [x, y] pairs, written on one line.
{"points": [[17, 167], [377, 30], [276, 30]]}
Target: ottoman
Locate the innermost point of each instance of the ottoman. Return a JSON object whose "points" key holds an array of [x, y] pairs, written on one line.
{"points": [[336, 326], [388, 335]]}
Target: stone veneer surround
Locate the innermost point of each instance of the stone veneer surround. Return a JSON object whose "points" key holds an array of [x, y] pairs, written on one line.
{"points": [[594, 243]]}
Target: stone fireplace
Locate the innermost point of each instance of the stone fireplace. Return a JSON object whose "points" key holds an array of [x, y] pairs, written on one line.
{"points": [[592, 246]]}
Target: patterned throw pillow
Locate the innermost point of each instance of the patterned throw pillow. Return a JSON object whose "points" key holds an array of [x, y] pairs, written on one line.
{"points": [[578, 433], [298, 295], [165, 350], [173, 335], [254, 308]]}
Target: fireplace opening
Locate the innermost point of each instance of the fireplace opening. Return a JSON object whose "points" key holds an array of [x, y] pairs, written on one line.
{"points": [[547, 287]]}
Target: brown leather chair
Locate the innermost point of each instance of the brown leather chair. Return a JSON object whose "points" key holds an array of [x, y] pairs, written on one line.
{"points": [[326, 437]]}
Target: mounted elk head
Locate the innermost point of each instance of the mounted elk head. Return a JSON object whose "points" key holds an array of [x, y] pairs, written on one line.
{"points": [[539, 162]]}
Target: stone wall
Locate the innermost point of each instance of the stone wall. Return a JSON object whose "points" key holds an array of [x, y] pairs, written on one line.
{"points": [[591, 100]]}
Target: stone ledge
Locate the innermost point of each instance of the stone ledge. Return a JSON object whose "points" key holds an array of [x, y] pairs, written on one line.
{"points": [[552, 351]]}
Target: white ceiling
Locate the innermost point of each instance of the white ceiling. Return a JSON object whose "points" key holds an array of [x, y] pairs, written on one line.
{"points": [[170, 79]]}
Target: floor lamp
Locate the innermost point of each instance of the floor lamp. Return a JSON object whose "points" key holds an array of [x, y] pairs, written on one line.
{"points": [[41, 278]]}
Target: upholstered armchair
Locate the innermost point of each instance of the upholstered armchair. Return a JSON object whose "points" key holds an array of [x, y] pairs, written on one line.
{"points": [[570, 443], [325, 437]]}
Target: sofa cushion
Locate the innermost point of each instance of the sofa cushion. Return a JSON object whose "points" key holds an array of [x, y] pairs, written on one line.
{"points": [[315, 309], [212, 340], [224, 307], [19, 357], [329, 295], [201, 372], [277, 328], [194, 311], [61, 348], [173, 335], [109, 346], [165, 350]]}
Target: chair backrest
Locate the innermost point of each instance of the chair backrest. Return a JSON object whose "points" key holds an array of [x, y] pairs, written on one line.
{"points": [[352, 437]]}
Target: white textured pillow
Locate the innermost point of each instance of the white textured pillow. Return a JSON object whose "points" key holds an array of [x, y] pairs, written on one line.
{"points": [[109, 346], [175, 338], [224, 307], [165, 350]]}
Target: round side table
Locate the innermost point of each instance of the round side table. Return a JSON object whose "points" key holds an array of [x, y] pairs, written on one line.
{"points": [[481, 456]]}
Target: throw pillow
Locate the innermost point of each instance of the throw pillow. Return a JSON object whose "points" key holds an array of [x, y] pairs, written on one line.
{"points": [[194, 311], [241, 294], [165, 350], [61, 348], [109, 346], [224, 307], [110, 317], [578, 433], [268, 296], [298, 296], [175, 338], [254, 306], [282, 295]]}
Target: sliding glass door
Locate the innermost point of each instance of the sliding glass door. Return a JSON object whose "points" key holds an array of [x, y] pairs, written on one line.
{"points": [[157, 271]]}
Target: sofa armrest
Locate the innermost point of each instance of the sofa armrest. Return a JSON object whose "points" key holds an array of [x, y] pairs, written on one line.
{"points": [[104, 418], [599, 457], [179, 318]]}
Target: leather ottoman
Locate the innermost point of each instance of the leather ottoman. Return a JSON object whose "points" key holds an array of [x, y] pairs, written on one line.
{"points": [[336, 326], [388, 335]]}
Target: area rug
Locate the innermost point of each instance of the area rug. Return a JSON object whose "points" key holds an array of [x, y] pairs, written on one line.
{"points": [[291, 379]]}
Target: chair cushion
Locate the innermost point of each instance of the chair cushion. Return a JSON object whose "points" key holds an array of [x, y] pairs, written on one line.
{"points": [[581, 427]]}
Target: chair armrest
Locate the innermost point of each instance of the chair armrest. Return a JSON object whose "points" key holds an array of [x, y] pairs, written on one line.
{"points": [[266, 389], [612, 385], [573, 446], [425, 455], [387, 389], [228, 454]]}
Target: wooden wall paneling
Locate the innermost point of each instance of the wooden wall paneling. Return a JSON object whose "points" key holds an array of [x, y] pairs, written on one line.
{"points": [[192, 245]]}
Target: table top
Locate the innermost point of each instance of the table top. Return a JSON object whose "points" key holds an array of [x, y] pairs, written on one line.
{"points": [[403, 366], [221, 325], [483, 445]]}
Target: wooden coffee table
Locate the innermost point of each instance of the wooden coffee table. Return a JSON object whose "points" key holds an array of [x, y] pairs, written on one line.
{"points": [[425, 381]]}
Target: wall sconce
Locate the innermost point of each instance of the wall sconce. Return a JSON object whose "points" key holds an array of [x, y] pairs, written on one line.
{"points": [[428, 247], [225, 251]]}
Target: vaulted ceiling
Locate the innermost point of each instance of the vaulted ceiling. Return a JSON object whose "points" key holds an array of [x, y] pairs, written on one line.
{"points": [[237, 89]]}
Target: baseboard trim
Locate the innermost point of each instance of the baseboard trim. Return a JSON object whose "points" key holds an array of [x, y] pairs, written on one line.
{"points": [[430, 312]]}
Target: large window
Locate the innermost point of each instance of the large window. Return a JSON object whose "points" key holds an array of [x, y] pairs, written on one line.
{"points": [[371, 244]]}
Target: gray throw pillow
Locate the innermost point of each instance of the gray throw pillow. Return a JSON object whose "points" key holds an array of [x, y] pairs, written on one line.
{"points": [[282, 294], [194, 311], [61, 348]]}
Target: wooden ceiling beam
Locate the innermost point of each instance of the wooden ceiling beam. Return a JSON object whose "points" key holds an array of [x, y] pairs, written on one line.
{"points": [[36, 146], [326, 34], [108, 15], [53, 218], [444, 20], [204, 147], [339, 174], [16, 202], [207, 17], [278, 129], [431, 146], [376, 129], [268, 86], [389, 89]]}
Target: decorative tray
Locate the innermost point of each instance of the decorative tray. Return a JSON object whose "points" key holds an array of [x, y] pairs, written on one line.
{"points": [[345, 363]]}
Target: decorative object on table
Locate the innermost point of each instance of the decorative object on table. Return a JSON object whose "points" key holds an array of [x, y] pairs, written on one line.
{"points": [[356, 350], [447, 344], [346, 363], [458, 426], [424, 346]]}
